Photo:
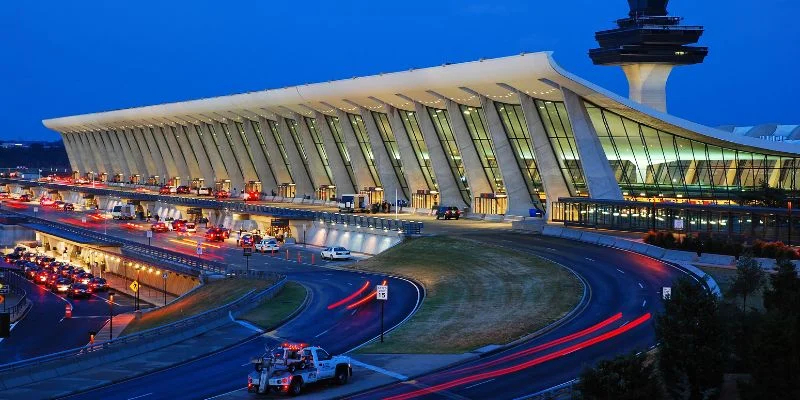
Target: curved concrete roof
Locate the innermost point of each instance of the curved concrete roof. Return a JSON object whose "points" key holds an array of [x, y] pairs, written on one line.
{"points": [[535, 74]]}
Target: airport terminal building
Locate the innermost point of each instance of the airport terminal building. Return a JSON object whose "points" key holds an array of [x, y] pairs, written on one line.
{"points": [[508, 136]]}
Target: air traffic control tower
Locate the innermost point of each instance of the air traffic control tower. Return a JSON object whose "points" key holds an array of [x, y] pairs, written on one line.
{"points": [[647, 45]]}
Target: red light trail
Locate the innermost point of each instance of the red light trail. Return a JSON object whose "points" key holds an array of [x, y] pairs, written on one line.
{"points": [[350, 297]]}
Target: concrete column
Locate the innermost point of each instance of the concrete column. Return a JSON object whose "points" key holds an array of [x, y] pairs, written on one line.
{"points": [[170, 167], [119, 137], [159, 155], [408, 157], [180, 164], [448, 187], [77, 151], [519, 197], [147, 154], [476, 176], [106, 152], [555, 186], [90, 153], [358, 160], [262, 165], [690, 172], [599, 176], [730, 173], [72, 153], [231, 160], [181, 137], [647, 84], [129, 138], [241, 153], [301, 178], [315, 166], [278, 165], [774, 174], [383, 160], [221, 171], [119, 166], [198, 147], [340, 176]]}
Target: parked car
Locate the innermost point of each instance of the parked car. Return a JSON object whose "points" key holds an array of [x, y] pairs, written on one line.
{"points": [[249, 240], [268, 244], [204, 191], [178, 224], [335, 253], [222, 194], [68, 207], [448, 212], [166, 189], [79, 290], [190, 227], [183, 189]]}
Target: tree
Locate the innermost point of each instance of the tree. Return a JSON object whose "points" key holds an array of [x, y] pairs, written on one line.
{"points": [[783, 295], [691, 333], [626, 377], [750, 278], [764, 196]]}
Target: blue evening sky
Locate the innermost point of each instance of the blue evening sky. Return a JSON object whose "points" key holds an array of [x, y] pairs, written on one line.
{"points": [[60, 58]]}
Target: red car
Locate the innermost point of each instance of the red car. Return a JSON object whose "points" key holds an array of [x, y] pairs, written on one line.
{"points": [[183, 190], [252, 196], [179, 224], [167, 190], [221, 194], [159, 227], [217, 234]]}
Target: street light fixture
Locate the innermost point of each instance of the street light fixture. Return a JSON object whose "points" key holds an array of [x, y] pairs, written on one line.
{"points": [[110, 315]]}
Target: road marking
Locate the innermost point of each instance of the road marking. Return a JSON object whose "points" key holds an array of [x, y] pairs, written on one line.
{"points": [[379, 370], [11, 328], [478, 384], [90, 316], [550, 248], [643, 303], [587, 258], [106, 300], [225, 394], [626, 323], [641, 286], [326, 331], [245, 324], [138, 397], [244, 365], [621, 271]]}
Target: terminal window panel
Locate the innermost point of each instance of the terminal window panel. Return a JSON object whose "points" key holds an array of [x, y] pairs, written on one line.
{"points": [[260, 137], [194, 152], [333, 123], [273, 127], [228, 137], [366, 148], [444, 131], [292, 124], [217, 148], [649, 162], [414, 133], [169, 148], [562, 141], [516, 130], [199, 132], [476, 125], [243, 135], [174, 133], [390, 143], [311, 124]]}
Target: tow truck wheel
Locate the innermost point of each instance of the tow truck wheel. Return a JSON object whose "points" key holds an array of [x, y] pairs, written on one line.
{"points": [[341, 375], [296, 387]]}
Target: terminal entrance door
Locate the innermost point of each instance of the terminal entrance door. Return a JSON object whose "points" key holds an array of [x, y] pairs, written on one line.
{"points": [[425, 199], [224, 184], [287, 190], [253, 191], [154, 180], [118, 178], [136, 179], [490, 203], [197, 183], [175, 181], [104, 177], [326, 192], [89, 202], [374, 195], [75, 175]]}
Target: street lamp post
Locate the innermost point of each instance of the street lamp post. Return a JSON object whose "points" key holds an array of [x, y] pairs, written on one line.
{"points": [[110, 315], [164, 276], [138, 288]]}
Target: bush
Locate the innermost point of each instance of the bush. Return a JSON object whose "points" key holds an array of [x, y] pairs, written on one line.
{"points": [[705, 243]]}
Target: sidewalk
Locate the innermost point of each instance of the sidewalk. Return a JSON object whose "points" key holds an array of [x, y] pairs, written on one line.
{"points": [[120, 322]]}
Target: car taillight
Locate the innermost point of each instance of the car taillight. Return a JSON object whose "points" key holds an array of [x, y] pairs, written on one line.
{"points": [[77, 291]]}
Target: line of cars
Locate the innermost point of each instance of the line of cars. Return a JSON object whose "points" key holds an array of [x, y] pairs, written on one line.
{"points": [[56, 204], [58, 276]]}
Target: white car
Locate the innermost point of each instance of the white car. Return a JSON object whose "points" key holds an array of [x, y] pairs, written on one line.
{"points": [[335, 253], [267, 245], [191, 227]]}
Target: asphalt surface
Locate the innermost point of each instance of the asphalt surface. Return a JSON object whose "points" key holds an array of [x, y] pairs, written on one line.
{"points": [[618, 282], [45, 330]]}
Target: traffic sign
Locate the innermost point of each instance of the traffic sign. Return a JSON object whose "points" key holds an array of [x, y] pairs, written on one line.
{"points": [[2, 299], [247, 251], [135, 286], [164, 275], [149, 234], [3, 289], [36, 209], [666, 292], [383, 292], [83, 220], [199, 250]]}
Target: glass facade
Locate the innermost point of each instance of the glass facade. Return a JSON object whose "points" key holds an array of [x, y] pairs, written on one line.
{"points": [[292, 124], [333, 123], [476, 125], [414, 133], [243, 135], [652, 163], [199, 132], [311, 124], [213, 132], [260, 137], [229, 139], [444, 131], [390, 143], [366, 148], [516, 130], [562, 141], [174, 133], [273, 127]]}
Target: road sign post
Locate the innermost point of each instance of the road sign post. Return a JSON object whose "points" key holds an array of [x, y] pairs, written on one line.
{"points": [[666, 292], [149, 235], [247, 252], [164, 276], [199, 249], [382, 294]]}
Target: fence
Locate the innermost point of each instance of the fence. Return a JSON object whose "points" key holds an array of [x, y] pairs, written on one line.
{"points": [[22, 304], [141, 341], [387, 224], [566, 390]]}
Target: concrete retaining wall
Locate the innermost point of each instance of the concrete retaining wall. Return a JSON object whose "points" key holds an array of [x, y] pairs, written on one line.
{"points": [[360, 240]]}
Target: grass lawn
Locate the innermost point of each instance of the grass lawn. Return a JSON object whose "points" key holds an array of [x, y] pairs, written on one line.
{"points": [[207, 297], [477, 294], [724, 278], [269, 314]]}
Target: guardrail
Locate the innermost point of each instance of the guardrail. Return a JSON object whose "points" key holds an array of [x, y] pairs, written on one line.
{"points": [[565, 390], [172, 260], [22, 303], [217, 314], [387, 224]]}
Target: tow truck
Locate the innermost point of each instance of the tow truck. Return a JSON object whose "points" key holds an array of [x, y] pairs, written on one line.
{"points": [[291, 366]]}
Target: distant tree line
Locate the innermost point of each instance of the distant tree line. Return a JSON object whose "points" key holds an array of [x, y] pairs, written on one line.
{"points": [[35, 156]]}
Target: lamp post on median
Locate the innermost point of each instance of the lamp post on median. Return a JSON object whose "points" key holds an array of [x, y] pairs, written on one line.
{"points": [[164, 276], [110, 315]]}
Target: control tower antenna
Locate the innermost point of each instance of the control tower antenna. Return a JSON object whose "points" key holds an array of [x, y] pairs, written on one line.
{"points": [[647, 45]]}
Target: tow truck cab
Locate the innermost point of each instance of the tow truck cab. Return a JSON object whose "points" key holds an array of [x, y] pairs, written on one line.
{"points": [[290, 367]]}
